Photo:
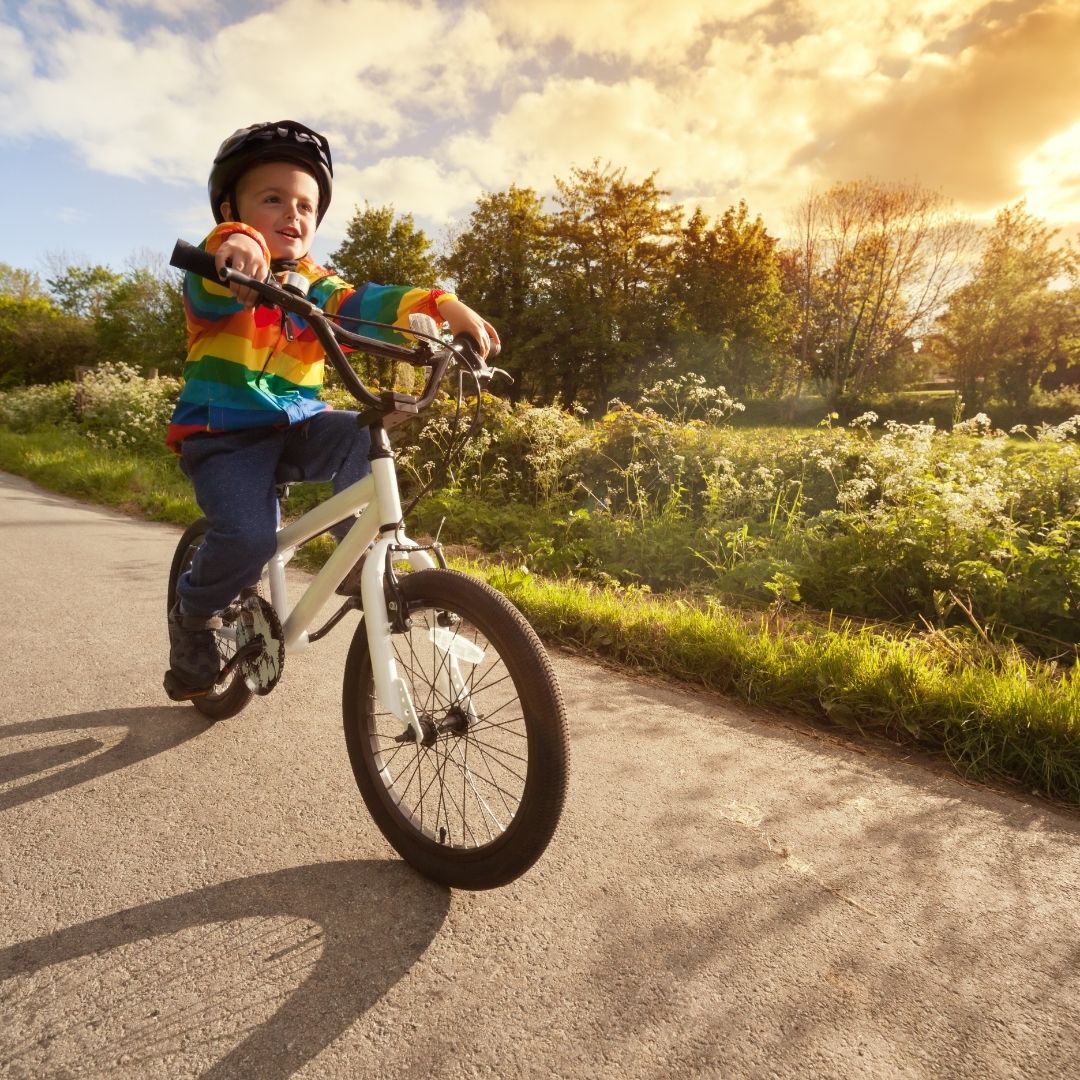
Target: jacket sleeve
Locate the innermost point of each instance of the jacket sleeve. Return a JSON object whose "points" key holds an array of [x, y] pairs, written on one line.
{"points": [[207, 302], [388, 304]]}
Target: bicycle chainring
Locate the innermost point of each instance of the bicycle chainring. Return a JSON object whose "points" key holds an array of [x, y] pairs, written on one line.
{"points": [[258, 620]]}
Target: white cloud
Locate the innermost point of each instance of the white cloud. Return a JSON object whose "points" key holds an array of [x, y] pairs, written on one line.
{"points": [[375, 72], [16, 67], [428, 103], [415, 185], [642, 30], [167, 8]]}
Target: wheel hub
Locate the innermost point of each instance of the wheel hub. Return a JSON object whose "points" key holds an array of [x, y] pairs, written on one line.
{"points": [[455, 722]]}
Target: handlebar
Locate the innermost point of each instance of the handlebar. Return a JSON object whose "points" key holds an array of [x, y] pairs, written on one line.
{"points": [[436, 357]]}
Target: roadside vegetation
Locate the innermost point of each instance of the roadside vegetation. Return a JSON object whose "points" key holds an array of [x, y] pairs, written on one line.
{"points": [[837, 474], [892, 578]]}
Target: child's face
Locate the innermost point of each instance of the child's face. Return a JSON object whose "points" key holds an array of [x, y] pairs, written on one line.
{"points": [[280, 199]]}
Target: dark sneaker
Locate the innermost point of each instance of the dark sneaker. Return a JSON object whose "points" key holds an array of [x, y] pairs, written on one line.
{"points": [[351, 585], [194, 663]]}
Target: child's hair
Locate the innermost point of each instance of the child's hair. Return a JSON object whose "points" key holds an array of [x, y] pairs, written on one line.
{"points": [[283, 140]]}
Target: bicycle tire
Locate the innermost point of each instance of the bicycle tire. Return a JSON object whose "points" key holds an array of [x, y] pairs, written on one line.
{"points": [[228, 698], [519, 761]]}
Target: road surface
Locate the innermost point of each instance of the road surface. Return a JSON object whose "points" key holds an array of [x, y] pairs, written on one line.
{"points": [[727, 895]]}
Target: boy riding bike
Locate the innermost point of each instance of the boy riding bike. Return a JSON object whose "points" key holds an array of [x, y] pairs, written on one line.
{"points": [[253, 374]]}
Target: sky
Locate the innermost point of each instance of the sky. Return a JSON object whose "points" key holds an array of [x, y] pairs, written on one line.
{"points": [[110, 113]]}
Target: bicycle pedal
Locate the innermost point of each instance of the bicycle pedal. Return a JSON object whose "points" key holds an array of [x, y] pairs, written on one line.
{"points": [[177, 691]]}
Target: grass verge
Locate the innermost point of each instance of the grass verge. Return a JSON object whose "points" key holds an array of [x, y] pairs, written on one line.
{"points": [[151, 486], [993, 714]]}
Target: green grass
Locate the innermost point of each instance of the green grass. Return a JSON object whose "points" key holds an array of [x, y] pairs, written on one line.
{"points": [[993, 713], [150, 486]]}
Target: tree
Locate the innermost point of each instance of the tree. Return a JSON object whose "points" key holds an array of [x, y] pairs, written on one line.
{"points": [[19, 284], [500, 263], [874, 266], [377, 247], [1013, 322], [727, 277], [41, 344], [384, 250], [611, 268], [141, 321], [83, 290]]}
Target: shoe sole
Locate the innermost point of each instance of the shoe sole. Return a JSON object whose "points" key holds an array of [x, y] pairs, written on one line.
{"points": [[178, 691]]}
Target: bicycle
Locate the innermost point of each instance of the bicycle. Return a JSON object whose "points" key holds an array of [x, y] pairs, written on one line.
{"points": [[454, 720]]}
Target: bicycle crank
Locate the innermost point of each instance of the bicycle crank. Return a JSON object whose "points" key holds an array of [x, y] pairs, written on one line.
{"points": [[260, 645]]}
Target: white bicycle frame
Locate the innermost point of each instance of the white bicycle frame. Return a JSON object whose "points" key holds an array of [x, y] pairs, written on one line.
{"points": [[376, 503]]}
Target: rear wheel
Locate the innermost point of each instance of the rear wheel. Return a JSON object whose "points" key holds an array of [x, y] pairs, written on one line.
{"points": [[475, 803], [228, 697]]}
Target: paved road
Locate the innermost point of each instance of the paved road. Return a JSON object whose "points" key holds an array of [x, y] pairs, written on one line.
{"points": [[727, 896]]}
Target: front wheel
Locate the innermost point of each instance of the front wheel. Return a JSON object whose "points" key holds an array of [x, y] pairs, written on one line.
{"points": [[475, 803], [228, 697]]}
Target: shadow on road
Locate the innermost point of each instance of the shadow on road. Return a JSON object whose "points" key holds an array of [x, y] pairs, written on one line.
{"points": [[150, 730], [275, 966]]}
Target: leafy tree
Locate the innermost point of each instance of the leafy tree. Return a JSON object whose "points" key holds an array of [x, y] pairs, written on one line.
{"points": [[82, 291], [874, 266], [20, 284], [389, 251], [41, 344], [1012, 323], [728, 279], [377, 247], [611, 267], [141, 321], [500, 264]]}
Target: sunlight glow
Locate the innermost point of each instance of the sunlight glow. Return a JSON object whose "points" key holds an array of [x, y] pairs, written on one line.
{"points": [[1050, 178]]}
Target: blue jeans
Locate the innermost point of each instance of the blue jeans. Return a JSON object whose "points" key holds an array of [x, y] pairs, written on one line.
{"points": [[233, 476]]}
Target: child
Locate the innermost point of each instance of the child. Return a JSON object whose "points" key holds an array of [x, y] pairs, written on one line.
{"points": [[252, 377]]}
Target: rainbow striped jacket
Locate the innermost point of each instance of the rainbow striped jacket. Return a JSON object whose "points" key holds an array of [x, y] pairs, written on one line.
{"points": [[244, 370]]}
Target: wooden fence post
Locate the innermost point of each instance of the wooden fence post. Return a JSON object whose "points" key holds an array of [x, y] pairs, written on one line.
{"points": [[80, 401]]}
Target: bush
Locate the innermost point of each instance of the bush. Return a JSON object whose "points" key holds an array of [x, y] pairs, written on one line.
{"points": [[118, 407], [28, 407], [903, 522], [912, 523]]}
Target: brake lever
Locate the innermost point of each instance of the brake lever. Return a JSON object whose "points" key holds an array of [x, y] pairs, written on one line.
{"points": [[468, 354], [487, 374]]}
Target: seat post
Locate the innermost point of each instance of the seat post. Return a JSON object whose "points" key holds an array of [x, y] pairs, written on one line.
{"points": [[384, 473]]}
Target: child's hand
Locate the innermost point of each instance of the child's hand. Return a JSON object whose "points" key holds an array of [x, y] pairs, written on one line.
{"points": [[463, 320], [242, 253]]}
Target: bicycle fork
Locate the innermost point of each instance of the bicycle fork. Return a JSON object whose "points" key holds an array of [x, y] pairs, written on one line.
{"points": [[393, 691]]}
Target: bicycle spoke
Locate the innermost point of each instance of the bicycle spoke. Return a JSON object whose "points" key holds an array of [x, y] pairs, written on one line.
{"points": [[484, 749], [464, 785], [502, 726], [468, 776]]}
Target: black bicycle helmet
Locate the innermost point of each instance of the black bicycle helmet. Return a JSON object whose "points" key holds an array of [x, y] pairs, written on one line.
{"points": [[284, 140]]}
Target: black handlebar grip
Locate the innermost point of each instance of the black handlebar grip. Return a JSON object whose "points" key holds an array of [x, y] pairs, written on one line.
{"points": [[186, 256], [470, 343]]}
